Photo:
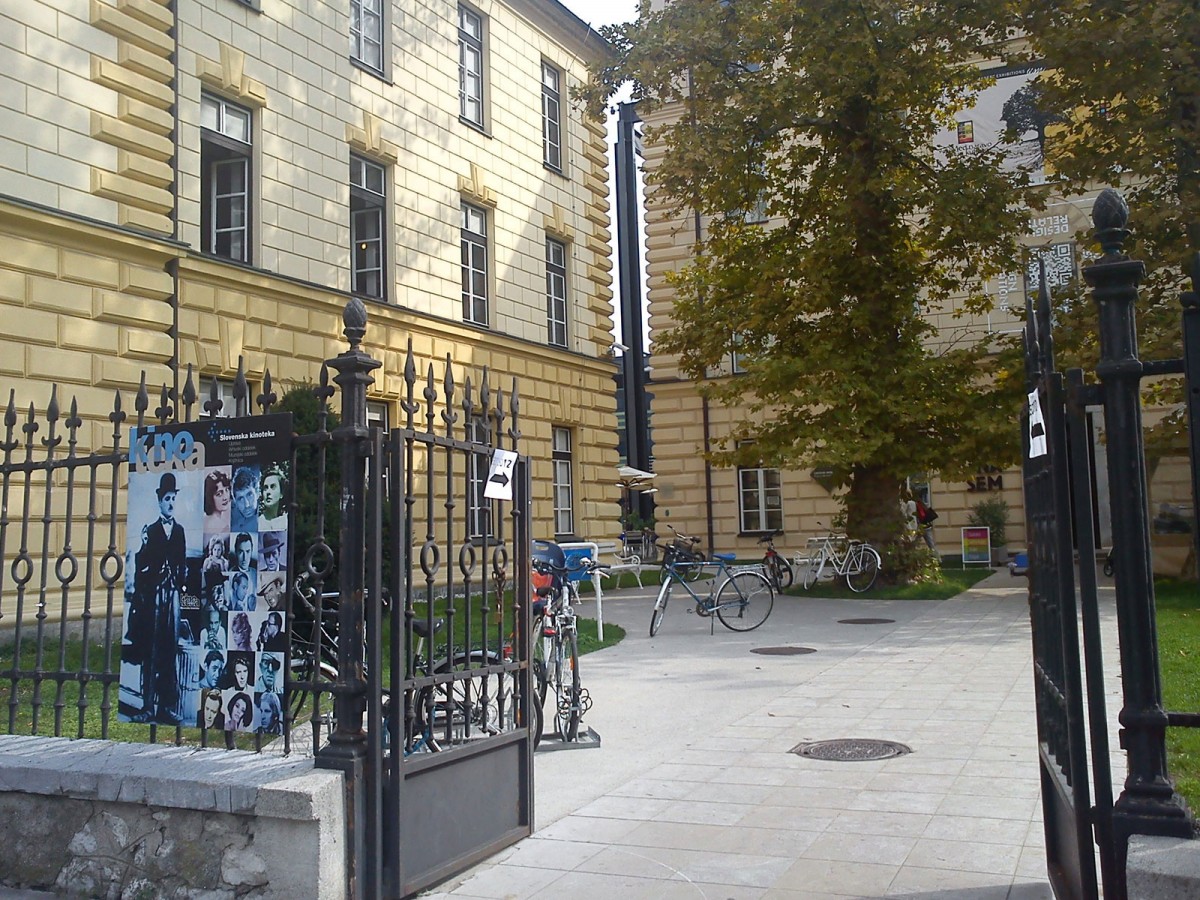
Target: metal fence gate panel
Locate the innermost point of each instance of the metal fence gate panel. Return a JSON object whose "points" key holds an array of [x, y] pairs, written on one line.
{"points": [[1082, 821], [1058, 683], [455, 756]]}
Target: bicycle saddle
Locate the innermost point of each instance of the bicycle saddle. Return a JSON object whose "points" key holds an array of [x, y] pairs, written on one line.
{"points": [[728, 557], [420, 627]]}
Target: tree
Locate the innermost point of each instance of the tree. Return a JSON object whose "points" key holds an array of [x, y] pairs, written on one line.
{"points": [[1125, 81], [827, 112]]}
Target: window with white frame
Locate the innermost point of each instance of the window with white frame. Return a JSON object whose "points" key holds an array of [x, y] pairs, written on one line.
{"points": [[366, 33], [556, 292], [474, 264], [479, 507], [560, 452], [377, 417], [760, 499], [368, 226], [225, 178], [737, 360], [470, 66], [552, 116], [224, 396]]}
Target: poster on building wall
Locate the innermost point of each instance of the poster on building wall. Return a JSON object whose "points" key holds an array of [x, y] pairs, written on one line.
{"points": [[976, 546], [205, 632]]}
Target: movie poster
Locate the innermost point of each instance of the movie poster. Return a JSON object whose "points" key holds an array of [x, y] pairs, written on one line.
{"points": [[207, 551]]}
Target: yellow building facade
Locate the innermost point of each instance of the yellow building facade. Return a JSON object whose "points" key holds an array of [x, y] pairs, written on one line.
{"points": [[202, 182]]}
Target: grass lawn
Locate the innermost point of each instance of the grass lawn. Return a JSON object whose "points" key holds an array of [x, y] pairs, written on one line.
{"points": [[69, 713], [1178, 605], [954, 581]]}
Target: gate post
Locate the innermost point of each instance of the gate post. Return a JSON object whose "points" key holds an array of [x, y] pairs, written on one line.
{"points": [[1148, 804], [347, 750]]}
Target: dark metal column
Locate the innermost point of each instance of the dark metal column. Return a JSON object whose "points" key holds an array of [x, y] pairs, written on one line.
{"points": [[1148, 804], [633, 361], [347, 750]]}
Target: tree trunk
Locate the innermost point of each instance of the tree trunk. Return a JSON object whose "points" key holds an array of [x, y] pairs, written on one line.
{"points": [[873, 510]]}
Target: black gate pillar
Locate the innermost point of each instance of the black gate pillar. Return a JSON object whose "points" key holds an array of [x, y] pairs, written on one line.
{"points": [[347, 750], [1148, 804]]}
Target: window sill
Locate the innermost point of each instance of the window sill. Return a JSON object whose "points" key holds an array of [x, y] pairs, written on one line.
{"points": [[370, 70], [475, 126], [557, 170]]}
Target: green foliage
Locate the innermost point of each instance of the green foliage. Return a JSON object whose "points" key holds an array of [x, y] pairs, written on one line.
{"points": [[308, 417], [910, 560], [993, 513], [1178, 608], [870, 229], [1126, 85]]}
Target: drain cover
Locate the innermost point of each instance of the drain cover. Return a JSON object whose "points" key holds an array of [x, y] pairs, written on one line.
{"points": [[783, 651], [865, 621], [851, 749]]}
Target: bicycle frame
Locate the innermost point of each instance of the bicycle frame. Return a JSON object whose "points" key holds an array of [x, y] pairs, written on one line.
{"points": [[746, 587]]}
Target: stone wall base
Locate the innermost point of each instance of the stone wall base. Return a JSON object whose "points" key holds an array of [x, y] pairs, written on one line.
{"points": [[85, 818]]}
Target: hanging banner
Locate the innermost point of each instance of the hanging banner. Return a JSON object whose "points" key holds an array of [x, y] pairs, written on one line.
{"points": [[976, 546], [206, 555]]}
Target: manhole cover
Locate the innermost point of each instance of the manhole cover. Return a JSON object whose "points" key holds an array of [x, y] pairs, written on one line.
{"points": [[865, 621], [851, 749], [783, 651]]}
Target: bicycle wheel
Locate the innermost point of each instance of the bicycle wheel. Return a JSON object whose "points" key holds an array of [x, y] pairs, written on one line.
{"points": [[811, 571], [779, 570], [864, 569], [660, 605], [539, 667], [745, 601], [568, 711]]}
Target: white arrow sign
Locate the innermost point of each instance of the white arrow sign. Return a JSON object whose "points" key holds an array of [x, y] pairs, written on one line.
{"points": [[500, 475]]}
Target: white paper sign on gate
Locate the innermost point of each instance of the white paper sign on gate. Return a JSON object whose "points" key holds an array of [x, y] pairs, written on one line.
{"points": [[1037, 427], [500, 475]]}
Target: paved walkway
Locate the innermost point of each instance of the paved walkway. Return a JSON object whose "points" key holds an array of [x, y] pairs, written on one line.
{"points": [[693, 792]]}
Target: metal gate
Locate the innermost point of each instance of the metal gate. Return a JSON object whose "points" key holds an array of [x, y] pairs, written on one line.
{"points": [[1082, 822], [431, 705], [392, 532]]}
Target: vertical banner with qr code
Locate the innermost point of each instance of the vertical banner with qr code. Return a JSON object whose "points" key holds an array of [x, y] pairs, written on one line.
{"points": [[206, 558]]}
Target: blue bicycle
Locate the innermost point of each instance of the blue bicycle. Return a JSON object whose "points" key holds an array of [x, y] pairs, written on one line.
{"points": [[742, 601]]}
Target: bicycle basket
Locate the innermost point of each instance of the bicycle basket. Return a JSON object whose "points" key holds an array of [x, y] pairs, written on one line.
{"points": [[549, 564]]}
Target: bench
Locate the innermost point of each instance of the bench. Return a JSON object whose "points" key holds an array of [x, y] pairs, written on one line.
{"points": [[628, 564]]}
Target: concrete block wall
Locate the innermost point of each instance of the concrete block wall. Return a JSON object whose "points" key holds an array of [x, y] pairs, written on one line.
{"points": [[91, 818], [1160, 868]]}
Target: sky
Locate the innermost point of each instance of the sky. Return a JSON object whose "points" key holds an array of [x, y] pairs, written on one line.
{"points": [[602, 12]]}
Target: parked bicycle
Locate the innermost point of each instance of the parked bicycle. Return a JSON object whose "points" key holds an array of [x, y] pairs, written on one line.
{"points": [[554, 653], [435, 716], [855, 561], [741, 597], [777, 569]]}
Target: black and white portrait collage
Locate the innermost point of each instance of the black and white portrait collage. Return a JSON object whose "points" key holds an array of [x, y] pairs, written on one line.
{"points": [[205, 641]]}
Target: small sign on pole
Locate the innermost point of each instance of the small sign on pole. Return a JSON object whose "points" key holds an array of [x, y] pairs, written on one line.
{"points": [[500, 475], [976, 546]]}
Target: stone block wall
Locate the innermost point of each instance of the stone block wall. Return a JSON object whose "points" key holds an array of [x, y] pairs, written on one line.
{"points": [[95, 819]]}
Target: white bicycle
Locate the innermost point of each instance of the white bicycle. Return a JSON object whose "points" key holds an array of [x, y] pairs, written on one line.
{"points": [[856, 561]]}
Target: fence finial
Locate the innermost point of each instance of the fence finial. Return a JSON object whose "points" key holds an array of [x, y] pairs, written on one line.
{"points": [[354, 318], [1110, 215]]}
